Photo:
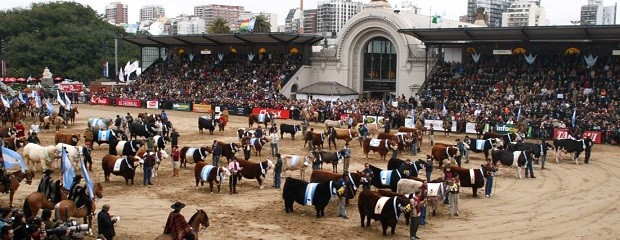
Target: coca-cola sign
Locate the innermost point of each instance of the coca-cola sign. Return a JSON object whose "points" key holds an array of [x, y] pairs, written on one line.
{"points": [[126, 102], [99, 100]]}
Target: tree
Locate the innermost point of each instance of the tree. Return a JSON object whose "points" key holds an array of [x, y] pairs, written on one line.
{"points": [[69, 38], [261, 25], [219, 25]]}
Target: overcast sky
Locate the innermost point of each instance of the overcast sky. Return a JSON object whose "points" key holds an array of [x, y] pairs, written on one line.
{"points": [[559, 12]]}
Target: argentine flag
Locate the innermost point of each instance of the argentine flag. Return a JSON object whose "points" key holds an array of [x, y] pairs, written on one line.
{"points": [[37, 99], [444, 110], [59, 99], [50, 107], [88, 180], [12, 158], [574, 119], [519, 114], [5, 102], [67, 170]]}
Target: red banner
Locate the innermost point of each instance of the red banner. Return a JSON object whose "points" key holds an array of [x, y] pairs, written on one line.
{"points": [[152, 104], [125, 102], [70, 87], [99, 100], [278, 113], [559, 133], [344, 117]]}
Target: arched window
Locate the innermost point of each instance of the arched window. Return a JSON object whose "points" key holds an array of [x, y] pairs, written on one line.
{"points": [[380, 59], [294, 88]]}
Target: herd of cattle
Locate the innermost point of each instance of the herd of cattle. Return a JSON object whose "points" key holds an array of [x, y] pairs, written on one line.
{"points": [[127, 153]]}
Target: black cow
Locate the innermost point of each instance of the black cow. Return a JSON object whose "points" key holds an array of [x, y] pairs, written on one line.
{"points": [[295, 191], [393, 175], [416, 166], [390, 212], [573, 146], [206, 123], [512, 158], [329, 157], [145, 130], [111, 135], [125, 148], [287, 128], [537, 149], [486, 145], [160, 142]]}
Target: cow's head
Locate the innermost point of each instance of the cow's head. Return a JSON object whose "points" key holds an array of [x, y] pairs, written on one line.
{"points": [[393, 144], [270, 164], [224, 173]]}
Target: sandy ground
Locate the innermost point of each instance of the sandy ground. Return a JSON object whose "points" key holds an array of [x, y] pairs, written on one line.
{"points": [[565, 201]]}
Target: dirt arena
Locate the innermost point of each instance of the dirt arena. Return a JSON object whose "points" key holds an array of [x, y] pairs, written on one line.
{"points": [[565, 201]]}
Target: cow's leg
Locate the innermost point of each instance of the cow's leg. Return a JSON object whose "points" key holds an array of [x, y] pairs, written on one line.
{"points": [[576, 158], [197, 181], [219, 185], [211, 186], [474, 192], [260, 182], [362, 218], [556, 156], [384, 226], [519, 172]]}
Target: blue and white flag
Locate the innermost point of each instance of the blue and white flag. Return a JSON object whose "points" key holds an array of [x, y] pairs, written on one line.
{"points": [[12, 159], [383, 108], [5, 102], [574, 119], [59, 99], [67, 101], [519, 114], [37, 99], [67, 170], [49, 106], [21, 97], [413, 117], [352, 107], [88, 180], [444, 110]]}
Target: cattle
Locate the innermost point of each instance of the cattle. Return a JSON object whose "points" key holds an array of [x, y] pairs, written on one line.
{"points": [[329, 157], [256, 143], [229, 149], [104, 136], [373, 129], [509, 158], [385, 178], [56, 120], [125, 148], [99, 123], [304, 193], [160, 142], [573, 146], [15, 143], [471, 177], [160, 155], [481, 145], [288, 128], [354, 177], [259, 118], [144, 130], [242, 132], [440, 152], [67, 138], [256, 171], [124, 166], [537, 149], [372, 205], [8, 132], [382, 146], [506, 138], [208, 173], [316, 139], [296, 162], [343, 134], [74, 153], [206, 123], [339, 124], [416, 166], [34, 153], [400, 137], [193, 155]]}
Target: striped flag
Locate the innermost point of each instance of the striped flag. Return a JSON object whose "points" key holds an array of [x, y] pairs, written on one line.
{"points": [[37, 99], [50, 107], [444, 110], [574, 118], [5, 102], [59, 99], [519, 114], [88, 180], [12, 158], [67, 101], [67, 170]]}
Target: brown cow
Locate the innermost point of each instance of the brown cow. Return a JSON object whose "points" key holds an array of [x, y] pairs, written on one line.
{"points": [[253, 118], [317, 139], [229, 149], [343, 134], [67, 138], [256, 143], [211, 174], [127, 167], [194, 155], [8, 132], [256, 171], [15, 143], [440, 152], [382, 146], [389, 214], [419, 133]]}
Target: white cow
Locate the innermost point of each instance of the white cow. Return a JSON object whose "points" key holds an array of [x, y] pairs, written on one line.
{"points": [[73, 152], [407, 186], [296, 162], [35, 153]]}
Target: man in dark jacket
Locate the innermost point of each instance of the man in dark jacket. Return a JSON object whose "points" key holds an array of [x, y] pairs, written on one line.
{"points": [[277, 170], [217, 153], [105, 223]]}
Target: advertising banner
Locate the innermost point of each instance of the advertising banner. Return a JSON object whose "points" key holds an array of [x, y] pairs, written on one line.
{"points": [[99, 100], [560, 133], [438, 125], [182, 107], [70, 87], [596, 136], [278, 113], [344, 116], [127, 102], [201, 108], [152, 104], [505, 128]]}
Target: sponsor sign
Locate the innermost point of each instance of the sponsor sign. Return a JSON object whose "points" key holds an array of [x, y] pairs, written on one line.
{"points": [[560, 133], [202, 108], [502, 52], [438, 125], [182, 107], [470, 127], [277, 113], [152, 104], [70, 87], [506, 128], [99, 100], [594, 135], [344, 116], [127, 102]]}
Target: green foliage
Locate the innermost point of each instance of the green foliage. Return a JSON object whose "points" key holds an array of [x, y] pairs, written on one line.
{"points": [[219, 25], [69, 38], [261, 25]]}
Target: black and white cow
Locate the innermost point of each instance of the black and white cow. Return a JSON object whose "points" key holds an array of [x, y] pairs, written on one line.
{"points": [[160, 142], [480, 145], [287, 128], [125, 148], [305, 193], [136, 129], [512, 158], [206, 123], [573, 146]]}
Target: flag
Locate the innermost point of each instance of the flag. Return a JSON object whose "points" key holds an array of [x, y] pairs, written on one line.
{"points": [[121, 76], [37, 99], [127, 66], [21, 97], [88, 180], [5, 102], [29, 78], [50, 107], [574, 119], [132, 68], [106, 72], [309, 101], [383, 108], [67, 170], [59, 99], [12, 158], [444, 110], [245, 25], [413, 116], [519, 114], [251, 24], [67, 101]]}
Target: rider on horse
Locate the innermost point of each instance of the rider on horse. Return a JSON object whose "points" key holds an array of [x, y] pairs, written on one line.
{"points": [[78, 195], [176, 225], [46, 183], [3, 174]]}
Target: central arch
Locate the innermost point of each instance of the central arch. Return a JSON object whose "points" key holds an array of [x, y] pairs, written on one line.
{"points": [[379, 66]]}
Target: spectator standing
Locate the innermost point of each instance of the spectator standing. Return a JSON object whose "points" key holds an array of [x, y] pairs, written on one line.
{"points": [[346, 151], [415, 213], [118, 122], [467, 142], [105, 222], [277, 171], [174, 137], [274, 139], [176, 160]]}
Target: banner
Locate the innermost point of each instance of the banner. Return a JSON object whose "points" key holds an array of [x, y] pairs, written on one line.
{"points": [[470, 127], [506, 128], [596, 136], [560, 133], [127, 102], [278, 113], [99, 100], [201, 108], [152, 104], [70, 87], [182, 107], [344, 117], [438, 125]]}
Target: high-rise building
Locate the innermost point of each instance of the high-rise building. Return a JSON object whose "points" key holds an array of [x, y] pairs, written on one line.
{"points": [[116, 13], [151, 12], [596, 14], [493, 9], [333, 14], [407, 6], [229, 13], [524, 13], [310, 23]]}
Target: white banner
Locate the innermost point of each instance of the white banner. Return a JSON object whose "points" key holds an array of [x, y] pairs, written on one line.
{"points": [[409, 123], [152, 104], [470, 127], [217, 109], [438, 125]]}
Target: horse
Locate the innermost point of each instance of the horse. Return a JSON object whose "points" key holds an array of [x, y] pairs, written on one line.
{"points": [[14, 179], [199, 218], [74, 111], [35, 201], [205, 172], [67, 208]]}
